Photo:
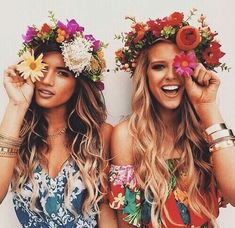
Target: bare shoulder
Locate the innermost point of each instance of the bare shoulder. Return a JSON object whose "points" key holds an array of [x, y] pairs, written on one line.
{"points": [[106, 130], [121, 144]]}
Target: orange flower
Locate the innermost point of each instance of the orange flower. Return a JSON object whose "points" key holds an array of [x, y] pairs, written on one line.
{"points": [[119, 54], [188, 38], [140, 30]]}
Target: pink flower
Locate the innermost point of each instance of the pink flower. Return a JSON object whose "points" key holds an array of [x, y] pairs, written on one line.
{"points": [[30, 34], [185, 63]]}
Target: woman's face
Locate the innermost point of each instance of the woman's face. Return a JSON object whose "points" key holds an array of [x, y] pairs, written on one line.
{"points": [[57, 85], [165, 85]]}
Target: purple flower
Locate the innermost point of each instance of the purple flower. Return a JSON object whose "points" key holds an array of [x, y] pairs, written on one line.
{"points": [[61, 26], [73, 27], [96, 43], [30, 34]]}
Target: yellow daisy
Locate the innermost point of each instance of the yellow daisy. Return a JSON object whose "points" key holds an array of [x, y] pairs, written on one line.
{"points": [[31, 67]]}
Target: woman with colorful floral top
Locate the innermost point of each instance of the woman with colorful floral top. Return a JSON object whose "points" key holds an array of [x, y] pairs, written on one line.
{"points": [[53, 137], [174, 158]]}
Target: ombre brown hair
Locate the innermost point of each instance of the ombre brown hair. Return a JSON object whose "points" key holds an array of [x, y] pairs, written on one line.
{"points": [[148, 131], [86, 113]]}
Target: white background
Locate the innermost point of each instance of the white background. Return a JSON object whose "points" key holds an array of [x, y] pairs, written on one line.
{"points": [[104, 18]]}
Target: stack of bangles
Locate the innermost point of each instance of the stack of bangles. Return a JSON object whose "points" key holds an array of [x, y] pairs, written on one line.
{"points": [[9, 146], [219, 137]]}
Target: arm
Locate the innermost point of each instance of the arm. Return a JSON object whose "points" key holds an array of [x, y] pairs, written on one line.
{"points": [[121, 154], [12, 122], [107, 218], [202, 92]]}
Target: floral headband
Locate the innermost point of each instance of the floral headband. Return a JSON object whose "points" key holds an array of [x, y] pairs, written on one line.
{"points": [[178, 30], [82, 53]]}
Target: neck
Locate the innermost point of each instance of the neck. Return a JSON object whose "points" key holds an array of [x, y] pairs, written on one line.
{"points": [[169, 118], [56, 119]]}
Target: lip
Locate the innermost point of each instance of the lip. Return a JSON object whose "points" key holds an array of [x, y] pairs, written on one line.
{"points": [[45, 93], [171, 94]]}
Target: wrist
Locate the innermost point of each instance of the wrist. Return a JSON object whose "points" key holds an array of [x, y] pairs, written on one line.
{"points": [[18, 106], [209, 114]]}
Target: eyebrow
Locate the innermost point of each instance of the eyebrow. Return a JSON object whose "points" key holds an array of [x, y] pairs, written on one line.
{"points": [[61, 68], [157, 61]]}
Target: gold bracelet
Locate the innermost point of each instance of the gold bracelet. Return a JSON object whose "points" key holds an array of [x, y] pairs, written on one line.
{"points": [[10, 140], [222, 145], [214, 137], [215, 127], [8, 152]]}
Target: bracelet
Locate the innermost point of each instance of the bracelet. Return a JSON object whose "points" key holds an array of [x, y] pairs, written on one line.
{"points": [[218, 135], [11, 141], [222, 145], [8, 152], [215, 127]]}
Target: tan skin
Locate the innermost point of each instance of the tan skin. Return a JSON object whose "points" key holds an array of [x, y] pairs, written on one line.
{"points": [[202, 90], [51, 93]]}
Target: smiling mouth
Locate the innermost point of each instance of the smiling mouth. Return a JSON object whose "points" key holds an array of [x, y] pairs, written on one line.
{"points": [[170, 90], [45, 93]]}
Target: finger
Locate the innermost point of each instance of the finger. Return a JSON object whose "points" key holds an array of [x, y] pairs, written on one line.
{"points": [[201, 75], [207, 78], [188, 82], [9, 72], [13, 67]]}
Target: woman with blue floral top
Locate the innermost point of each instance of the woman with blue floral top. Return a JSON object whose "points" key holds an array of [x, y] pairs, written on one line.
{"points": [[53, 136], [174, 157]]}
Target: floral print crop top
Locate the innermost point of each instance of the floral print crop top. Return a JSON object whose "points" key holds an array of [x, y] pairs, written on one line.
{"points": [[125, 195]]}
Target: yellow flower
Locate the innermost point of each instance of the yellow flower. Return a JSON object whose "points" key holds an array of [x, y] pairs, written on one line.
{"points": [[31, 67]]}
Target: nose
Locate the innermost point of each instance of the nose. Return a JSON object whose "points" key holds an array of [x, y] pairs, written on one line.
{"points": [[171, 74], [49, 78]]}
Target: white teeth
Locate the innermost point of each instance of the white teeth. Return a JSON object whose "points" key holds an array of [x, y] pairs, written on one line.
{"points": [[170, 87]]}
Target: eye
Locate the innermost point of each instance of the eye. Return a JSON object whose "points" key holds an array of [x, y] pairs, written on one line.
{"points": [[63, 73], [158, 66]]}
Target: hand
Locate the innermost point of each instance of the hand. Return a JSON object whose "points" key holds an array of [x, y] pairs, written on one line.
{"points": [[202, 86], [19, 90]]}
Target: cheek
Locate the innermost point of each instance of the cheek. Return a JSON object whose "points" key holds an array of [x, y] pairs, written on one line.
{"points": [[67, 89]]}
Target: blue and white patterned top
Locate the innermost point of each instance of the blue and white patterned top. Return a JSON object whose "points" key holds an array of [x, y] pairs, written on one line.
{"points": [[50, 208]]}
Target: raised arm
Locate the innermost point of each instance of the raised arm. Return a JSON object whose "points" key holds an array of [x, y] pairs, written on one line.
{"points": [[20, 94], [202, 90]]}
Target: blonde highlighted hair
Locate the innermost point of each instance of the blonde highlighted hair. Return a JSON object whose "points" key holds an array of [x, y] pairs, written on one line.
{"points": [[85, 115], [148, 131]]}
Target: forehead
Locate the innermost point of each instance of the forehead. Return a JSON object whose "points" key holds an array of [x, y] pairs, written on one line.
{"points": [[163, 51], [54, 58]]}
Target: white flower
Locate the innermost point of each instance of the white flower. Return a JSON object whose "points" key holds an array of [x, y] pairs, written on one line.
{"points": [[77, 54]]}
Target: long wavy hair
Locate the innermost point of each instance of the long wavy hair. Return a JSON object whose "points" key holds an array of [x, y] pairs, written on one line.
{"points": [[85, 114], [152, 172]]}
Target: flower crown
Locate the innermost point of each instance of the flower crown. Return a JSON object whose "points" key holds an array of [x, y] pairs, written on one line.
{"points": [[82, 53], [176, 29]]}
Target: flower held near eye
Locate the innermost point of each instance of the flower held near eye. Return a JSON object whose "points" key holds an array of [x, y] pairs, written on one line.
{"points": [[185, 63], [31, 67]]}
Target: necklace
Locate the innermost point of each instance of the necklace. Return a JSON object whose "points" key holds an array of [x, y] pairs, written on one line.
{"points": [[60, 132]]}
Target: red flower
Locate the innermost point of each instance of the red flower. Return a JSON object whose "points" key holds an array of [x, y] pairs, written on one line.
{"points": [[175, 19], [140, 30], [188, 37], [212, 54], [45, 28], [155, 27]]}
